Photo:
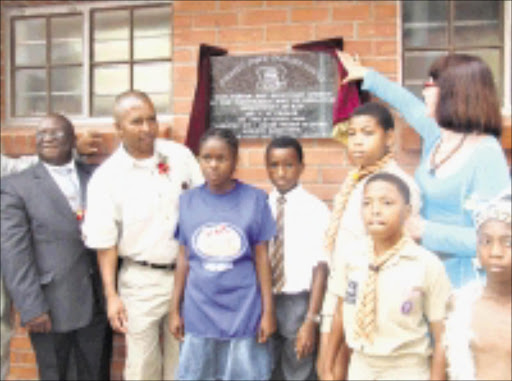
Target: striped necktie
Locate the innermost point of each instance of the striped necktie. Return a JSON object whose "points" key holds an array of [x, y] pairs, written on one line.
{"points": [[277, 256]]}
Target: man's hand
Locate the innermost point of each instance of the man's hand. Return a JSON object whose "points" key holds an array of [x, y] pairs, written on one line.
{"points": [[40, 324], [306, 339], [176, 326], [355, 71], [88, 143], [268, 326], [117, 314]]}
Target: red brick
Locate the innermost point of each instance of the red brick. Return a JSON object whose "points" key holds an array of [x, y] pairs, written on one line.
{"points": [[184, 56], [251, 174], [311, 175], [382, 65], [288, 4], [386, 48], [334, 175], [259, 48], [289, 32], [195, 37], [236, 5], [23, 373], [25, 357], [236, 35], [348, 11], [263, 16], [310, 15], [218, 20], [256, 157], [20, 343], [185, 73], [319, 156], [194, 6], [377, 30], [183, 21], [384, 11], [345, 30], [324, 192], [361, 47], [184, 89], [182, 106]]}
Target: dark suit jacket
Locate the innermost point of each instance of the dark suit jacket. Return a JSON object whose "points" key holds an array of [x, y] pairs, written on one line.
{"points": [[45, 264]]}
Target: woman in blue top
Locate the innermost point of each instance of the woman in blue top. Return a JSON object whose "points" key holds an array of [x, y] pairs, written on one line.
{"points": [[461, 159], [222, 305]]}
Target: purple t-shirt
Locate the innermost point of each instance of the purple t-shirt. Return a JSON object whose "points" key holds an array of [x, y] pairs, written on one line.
{"points": [[222, 296]]}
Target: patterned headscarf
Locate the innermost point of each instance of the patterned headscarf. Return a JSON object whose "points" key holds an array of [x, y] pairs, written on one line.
{"points": [[498, 208]]}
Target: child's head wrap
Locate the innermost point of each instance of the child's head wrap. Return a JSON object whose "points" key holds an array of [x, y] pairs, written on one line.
{"points": [[498, 208]]}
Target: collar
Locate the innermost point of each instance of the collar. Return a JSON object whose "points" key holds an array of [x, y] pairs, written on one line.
{"points": [[290, 195], [70, 166], [128, 161]]}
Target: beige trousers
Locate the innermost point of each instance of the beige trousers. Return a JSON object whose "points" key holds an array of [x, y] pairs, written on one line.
{"points": [[403, 367], [5, 330], [151, 351]]}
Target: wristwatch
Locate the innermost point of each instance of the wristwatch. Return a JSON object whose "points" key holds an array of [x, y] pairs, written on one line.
{"points": [[315, 318]]}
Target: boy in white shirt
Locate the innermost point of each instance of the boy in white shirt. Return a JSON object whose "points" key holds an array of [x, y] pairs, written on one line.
{"points": [[299, 265]]}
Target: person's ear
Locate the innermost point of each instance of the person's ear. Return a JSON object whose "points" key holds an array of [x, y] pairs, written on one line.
{"points": [[390, 139], [407, 212]]}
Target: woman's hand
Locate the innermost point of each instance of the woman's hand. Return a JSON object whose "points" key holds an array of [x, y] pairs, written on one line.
{"points": [[355, 71]]}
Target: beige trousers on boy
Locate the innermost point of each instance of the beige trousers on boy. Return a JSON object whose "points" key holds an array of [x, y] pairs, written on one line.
{"points": [[146, 294], [404, 367]]}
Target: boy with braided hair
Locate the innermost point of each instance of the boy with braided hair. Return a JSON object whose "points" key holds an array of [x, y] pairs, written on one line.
{"points": [[369, 140]]}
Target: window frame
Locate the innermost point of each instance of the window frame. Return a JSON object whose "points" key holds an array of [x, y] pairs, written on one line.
{"points": [[505, 50], [86, 11]]}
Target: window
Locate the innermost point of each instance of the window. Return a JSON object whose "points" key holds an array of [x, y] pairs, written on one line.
{"points": [[77, 59], [434, 28]]}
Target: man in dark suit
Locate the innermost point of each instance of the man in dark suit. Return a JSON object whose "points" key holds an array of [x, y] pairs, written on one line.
{"points": [[51, 276]]}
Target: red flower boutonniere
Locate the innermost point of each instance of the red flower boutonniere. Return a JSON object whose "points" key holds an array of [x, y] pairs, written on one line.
{"points": [[163, 166], [80, 214]]}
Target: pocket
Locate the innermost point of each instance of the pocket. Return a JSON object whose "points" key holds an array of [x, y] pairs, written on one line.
{"points": [[46, 278]]}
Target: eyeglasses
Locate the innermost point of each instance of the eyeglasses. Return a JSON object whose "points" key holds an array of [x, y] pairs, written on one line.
{"points": [[52, 134]]}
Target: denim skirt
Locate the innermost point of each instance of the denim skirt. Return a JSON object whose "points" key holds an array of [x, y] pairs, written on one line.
{"points": [[204, 358]]}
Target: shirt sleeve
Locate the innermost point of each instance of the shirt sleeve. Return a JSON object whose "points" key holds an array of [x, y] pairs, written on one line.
{"points": [[438, 291], [490, 179], [101, 224], [410, 107], [179, 233], [196, 176], [10, 165], [337, 282], [266, 228], [321, 223]]}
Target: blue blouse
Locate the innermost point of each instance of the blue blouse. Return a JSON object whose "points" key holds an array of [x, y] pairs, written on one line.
{"points": [[450, 229]]}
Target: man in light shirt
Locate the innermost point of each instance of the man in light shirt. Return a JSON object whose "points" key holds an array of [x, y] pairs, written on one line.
{"points": [[132, 213], [50, 274]]}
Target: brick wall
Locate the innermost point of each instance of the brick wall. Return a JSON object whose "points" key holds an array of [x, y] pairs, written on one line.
{"points": [[369, 28]]}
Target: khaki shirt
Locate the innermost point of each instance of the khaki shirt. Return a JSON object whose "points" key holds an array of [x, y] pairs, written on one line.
{"points": [[131, 204], [412, 290]]}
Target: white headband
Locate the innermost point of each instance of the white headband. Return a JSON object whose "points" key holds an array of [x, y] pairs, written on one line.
{"points": [[498, 208]]}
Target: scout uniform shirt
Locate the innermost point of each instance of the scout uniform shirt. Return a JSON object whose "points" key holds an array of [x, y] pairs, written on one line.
{"points": [[412, 290]]}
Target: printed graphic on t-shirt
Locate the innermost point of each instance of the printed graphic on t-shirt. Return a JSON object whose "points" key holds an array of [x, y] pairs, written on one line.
{"points": [[218, 244]]}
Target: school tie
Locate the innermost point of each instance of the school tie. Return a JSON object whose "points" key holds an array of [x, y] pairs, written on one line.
{"points": [[366, 314], [277, 257]]}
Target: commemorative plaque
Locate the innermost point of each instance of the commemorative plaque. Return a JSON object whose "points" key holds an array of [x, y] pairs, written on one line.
{"points": [[268, 95]]}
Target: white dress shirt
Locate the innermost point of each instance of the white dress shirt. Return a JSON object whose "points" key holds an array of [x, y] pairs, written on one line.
{"points": [[305, 220], [67, 180], [131, 204]]}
